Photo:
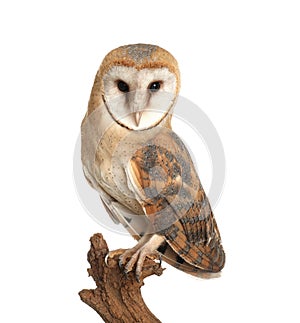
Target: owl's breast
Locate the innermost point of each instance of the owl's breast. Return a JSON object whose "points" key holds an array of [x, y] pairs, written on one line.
{"points": [[112, 156]]}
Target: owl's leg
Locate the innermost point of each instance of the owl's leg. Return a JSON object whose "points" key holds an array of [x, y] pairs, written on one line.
{"points": [[146, 247]]}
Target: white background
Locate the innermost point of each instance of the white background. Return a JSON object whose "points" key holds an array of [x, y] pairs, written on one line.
{"points": [[240, 63]]}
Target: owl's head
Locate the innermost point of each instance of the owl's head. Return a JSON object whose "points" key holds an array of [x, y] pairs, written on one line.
{"points": [[138, 85]]}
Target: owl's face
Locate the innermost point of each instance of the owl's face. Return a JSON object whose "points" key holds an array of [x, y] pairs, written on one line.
{"points": [[139, 99]]}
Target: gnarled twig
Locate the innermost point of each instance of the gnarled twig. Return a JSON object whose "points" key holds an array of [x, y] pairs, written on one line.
{"points": [[117, 297]]}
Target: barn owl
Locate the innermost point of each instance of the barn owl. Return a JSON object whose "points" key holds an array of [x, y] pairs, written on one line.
{"points": [[141, 168]]}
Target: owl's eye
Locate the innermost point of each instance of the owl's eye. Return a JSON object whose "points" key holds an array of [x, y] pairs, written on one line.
{"points": [[154, 86], [122, 86]]}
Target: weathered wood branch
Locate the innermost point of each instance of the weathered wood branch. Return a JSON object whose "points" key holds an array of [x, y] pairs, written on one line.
{"points": [[117, 297]]}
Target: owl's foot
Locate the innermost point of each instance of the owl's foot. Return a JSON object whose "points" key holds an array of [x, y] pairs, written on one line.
{"points": [[138, 259], [137, 255]]}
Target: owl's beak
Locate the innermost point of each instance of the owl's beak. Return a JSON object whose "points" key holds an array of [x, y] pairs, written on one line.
{"points": [[138, 116], [139, 100]]}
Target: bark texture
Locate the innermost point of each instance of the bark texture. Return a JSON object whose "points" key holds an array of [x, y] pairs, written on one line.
{"points": [[117, 297]]}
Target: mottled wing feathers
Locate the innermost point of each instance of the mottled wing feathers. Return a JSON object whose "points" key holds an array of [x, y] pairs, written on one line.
{"points": [[168, 188], [156, 179], [208, 257]]}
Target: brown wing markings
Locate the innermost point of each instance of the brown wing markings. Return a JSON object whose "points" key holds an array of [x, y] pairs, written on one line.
{"points": [[205, 257], [172, 258], [176, 211], [156, 176]]}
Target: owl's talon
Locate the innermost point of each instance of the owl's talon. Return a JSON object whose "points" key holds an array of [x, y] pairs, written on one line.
{"points": [[105, 259], [125, 274], [160, 259], [138, 277], [120, 263]]}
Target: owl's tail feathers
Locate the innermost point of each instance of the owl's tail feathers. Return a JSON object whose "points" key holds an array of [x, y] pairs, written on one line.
{"points": [[195, 259]]}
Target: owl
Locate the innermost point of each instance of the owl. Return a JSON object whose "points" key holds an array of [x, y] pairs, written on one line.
{"points": [[141, 168]]}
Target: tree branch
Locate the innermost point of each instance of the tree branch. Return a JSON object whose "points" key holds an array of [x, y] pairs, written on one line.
{"points": [[117, 297]]}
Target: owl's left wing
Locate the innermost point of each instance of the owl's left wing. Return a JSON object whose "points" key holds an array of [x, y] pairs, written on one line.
{"points": [[177, 208]]}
